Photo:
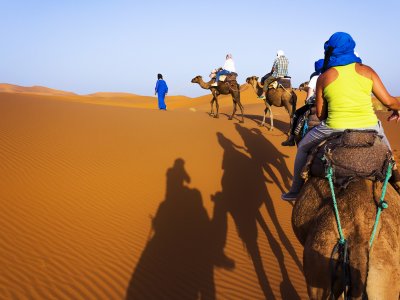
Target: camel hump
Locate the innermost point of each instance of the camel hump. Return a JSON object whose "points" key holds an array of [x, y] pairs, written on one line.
{"points": [[352, 154]]}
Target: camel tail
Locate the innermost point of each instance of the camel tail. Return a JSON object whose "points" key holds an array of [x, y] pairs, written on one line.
{"points": [[350, 278]]}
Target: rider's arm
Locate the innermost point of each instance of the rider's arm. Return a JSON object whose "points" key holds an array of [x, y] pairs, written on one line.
{"points": [[382, 94]]}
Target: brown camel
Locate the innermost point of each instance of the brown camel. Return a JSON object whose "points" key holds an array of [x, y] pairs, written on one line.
{"points": [[223, 88], [278, 97], [303, 86], [374, 271]]}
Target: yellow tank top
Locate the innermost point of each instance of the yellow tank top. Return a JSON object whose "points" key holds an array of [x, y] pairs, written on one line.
{"points": [[349, 100]]}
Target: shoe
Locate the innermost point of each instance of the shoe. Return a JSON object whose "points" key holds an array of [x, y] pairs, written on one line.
{"points": [[261, 97], [214, 84], [289, 141], [290, 196]]}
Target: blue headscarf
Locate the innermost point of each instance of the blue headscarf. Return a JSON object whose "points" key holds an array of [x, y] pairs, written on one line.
{"points": [[318, 65], [339, 50]]}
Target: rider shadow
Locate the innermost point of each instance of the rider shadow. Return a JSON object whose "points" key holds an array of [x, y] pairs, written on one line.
{"points": [[177, 261], [243, 191], [265, 155]]}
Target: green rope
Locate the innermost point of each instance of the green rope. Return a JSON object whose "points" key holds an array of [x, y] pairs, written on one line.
{"points": [[382, 203], [329, 174]]}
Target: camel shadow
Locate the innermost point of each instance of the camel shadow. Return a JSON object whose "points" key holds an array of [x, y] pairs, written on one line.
{"points": [[265, 156], [178, 260], [243, 191], [278, 124]]}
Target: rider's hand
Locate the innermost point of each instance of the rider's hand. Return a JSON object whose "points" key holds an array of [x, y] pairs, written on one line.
{"points": [[394, 116]]}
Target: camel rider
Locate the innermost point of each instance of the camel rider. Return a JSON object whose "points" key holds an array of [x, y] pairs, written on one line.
{"points": [[310, 105], [343, 101], [279, 69], [229, 67]]}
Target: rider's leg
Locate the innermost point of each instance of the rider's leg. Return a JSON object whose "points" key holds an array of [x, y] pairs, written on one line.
{"points": [[311, 139], [267, 82], [299, 112]]}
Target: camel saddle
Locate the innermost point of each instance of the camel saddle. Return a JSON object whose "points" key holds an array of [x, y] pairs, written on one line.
{"points": [[281, 82], [352, 154], [229, 77]]}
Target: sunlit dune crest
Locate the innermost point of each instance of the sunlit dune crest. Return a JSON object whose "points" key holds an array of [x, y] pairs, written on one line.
{"points": [[39, 90]]}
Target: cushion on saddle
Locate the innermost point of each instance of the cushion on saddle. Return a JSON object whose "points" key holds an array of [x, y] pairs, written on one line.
{"points": [[352, 154], [222, 78]]}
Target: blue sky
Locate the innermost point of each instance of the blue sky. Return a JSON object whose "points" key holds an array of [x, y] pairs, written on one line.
{"points": [[90, 46]]}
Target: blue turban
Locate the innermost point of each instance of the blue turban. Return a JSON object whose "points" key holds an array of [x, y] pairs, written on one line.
{"points": [[339, 50], [318, 65]]}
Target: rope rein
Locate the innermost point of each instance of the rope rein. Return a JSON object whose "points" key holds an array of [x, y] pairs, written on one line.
{"points": [[341, 246], [382, 203]]}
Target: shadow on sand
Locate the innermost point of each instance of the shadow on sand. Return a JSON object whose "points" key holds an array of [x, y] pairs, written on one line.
{"points": [[244, 192], [278, 124], [178, 260]]}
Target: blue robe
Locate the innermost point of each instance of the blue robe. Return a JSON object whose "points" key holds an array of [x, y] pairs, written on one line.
{"points": [[161, 90]]}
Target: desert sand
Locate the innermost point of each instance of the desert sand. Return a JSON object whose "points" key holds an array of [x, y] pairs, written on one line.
{"points": [[103, 196]]}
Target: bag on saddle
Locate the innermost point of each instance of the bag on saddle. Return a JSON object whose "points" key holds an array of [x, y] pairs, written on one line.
{"points": [[351, 154]]}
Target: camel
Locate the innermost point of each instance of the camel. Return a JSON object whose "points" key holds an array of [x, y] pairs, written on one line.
{"points": [[374, 271], [223, 88], [303, 86], [278, 97]]}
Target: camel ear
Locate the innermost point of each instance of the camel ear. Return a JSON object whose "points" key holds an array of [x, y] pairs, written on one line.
{"points": [[256, 78], [247, 79]]}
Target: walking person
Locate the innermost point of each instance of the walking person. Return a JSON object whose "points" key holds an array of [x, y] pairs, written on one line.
{"points": [[161, 90]]}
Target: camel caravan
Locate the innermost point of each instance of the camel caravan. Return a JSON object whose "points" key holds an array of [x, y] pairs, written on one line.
{"points": [[346, 185]]}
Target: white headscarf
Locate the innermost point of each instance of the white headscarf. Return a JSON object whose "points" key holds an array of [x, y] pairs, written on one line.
{"points": [[280, 53]]}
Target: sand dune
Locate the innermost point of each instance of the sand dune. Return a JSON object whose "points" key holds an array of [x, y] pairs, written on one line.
{"points": [[38, 90], [105, 197]]}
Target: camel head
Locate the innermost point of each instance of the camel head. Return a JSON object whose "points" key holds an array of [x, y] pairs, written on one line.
{"points": [[303, 86], [253, 81], [197, 79]]}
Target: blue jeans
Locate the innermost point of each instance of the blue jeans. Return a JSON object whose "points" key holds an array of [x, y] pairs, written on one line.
{"points": [[312, 139], [222, 72]]}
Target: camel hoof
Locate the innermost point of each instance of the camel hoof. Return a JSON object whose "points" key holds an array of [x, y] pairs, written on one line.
{"points": [[216, 116], [241, 121], [271, 129], [229, 119]]}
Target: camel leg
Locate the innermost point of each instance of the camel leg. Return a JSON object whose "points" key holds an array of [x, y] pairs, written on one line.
{"points": [[242, 111], [265, 113], [240, 105], [290, 107], [271, 118], [216, 108], [234, 110], [212, 106]]}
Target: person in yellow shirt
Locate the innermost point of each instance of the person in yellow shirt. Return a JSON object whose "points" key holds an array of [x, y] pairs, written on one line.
{"points": [[343, 101]]}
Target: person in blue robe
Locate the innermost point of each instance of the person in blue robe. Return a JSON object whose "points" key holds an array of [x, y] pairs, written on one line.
{"points": [[161, 90]]}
